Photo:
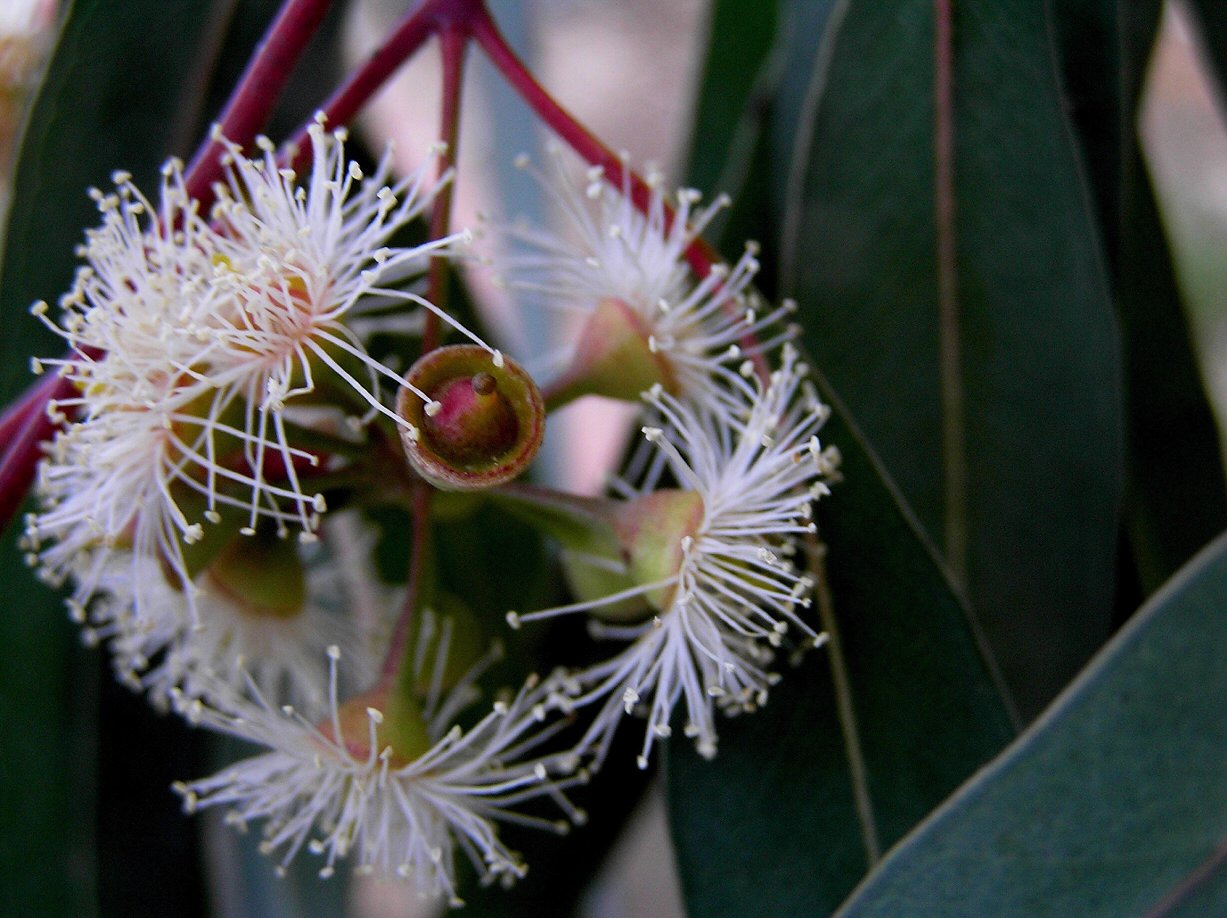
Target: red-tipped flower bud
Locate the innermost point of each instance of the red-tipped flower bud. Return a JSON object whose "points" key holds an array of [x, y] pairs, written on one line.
{"points": [[484, 421]]}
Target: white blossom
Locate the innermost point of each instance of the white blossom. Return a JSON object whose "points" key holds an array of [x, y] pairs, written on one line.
{"points": [[162, 647], [355, 797], [608, 249], [736, 590]]}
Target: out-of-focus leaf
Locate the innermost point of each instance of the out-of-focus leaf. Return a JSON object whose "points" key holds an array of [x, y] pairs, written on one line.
{"points": [[1009, 443], [515, 572], [47, 718], [1110, 802], [110, 99], [148, 850], [242, 881], [1176, 500], [561, 868], [734, 94], [781, 823], [761, 76], [1213, 20]]}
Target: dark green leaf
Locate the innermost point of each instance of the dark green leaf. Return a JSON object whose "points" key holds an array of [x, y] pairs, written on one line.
{"points": [[1176, 500], [1009, 444], [733, 92], [781, 823], [47, 718], [148, 850], [110, 100], [1110, 801]]}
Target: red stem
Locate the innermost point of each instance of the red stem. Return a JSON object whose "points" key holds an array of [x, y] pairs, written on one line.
{"points": [[33, 399], [453, 42], [421, 532], [954, 451], [258, 90], [22, 451], [700, 255], [348, 99]]}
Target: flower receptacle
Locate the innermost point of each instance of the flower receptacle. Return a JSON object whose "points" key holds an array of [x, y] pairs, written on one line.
{"points": [[614, 357], [482, 425]]}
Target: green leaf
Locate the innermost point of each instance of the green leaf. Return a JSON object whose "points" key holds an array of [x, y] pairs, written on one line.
{"points": [[1110, 801], [803, 795], [758, 86], [110, 99], [47, 857], [1176, 500], [1005, 432], [734, 95]]}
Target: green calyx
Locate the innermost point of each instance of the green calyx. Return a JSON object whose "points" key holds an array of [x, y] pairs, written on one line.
{"points": [[261, 574], [399, 727], [654, 530], [614, 357]]}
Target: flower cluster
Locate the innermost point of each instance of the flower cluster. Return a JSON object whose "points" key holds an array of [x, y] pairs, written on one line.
{"points": [[194, 342], [235, 374], [698, 576]]}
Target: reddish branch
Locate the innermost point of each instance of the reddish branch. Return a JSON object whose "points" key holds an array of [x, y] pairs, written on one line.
{"points": [[258, 90]]}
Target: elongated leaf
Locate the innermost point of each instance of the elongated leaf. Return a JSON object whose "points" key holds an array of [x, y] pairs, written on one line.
{"points": [[760, 76], [1004, 432], [109, 100], [46, 762], [781, 823], [729, 114], [1109, 801], [1176, 500]]}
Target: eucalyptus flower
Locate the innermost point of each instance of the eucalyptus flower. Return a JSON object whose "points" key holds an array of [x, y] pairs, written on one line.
{"points": [[711, 558], [646, 318], [398, 800]]}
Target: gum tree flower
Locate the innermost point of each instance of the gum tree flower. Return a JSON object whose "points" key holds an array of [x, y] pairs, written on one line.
{"points": [[266, 609], [712, 560], [398, 801], [192, 339], [141, 463], [646, 319]]}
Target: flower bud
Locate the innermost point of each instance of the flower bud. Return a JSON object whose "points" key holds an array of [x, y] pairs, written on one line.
{"points": [[398, 726], [484, 421], [591, 577]]}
